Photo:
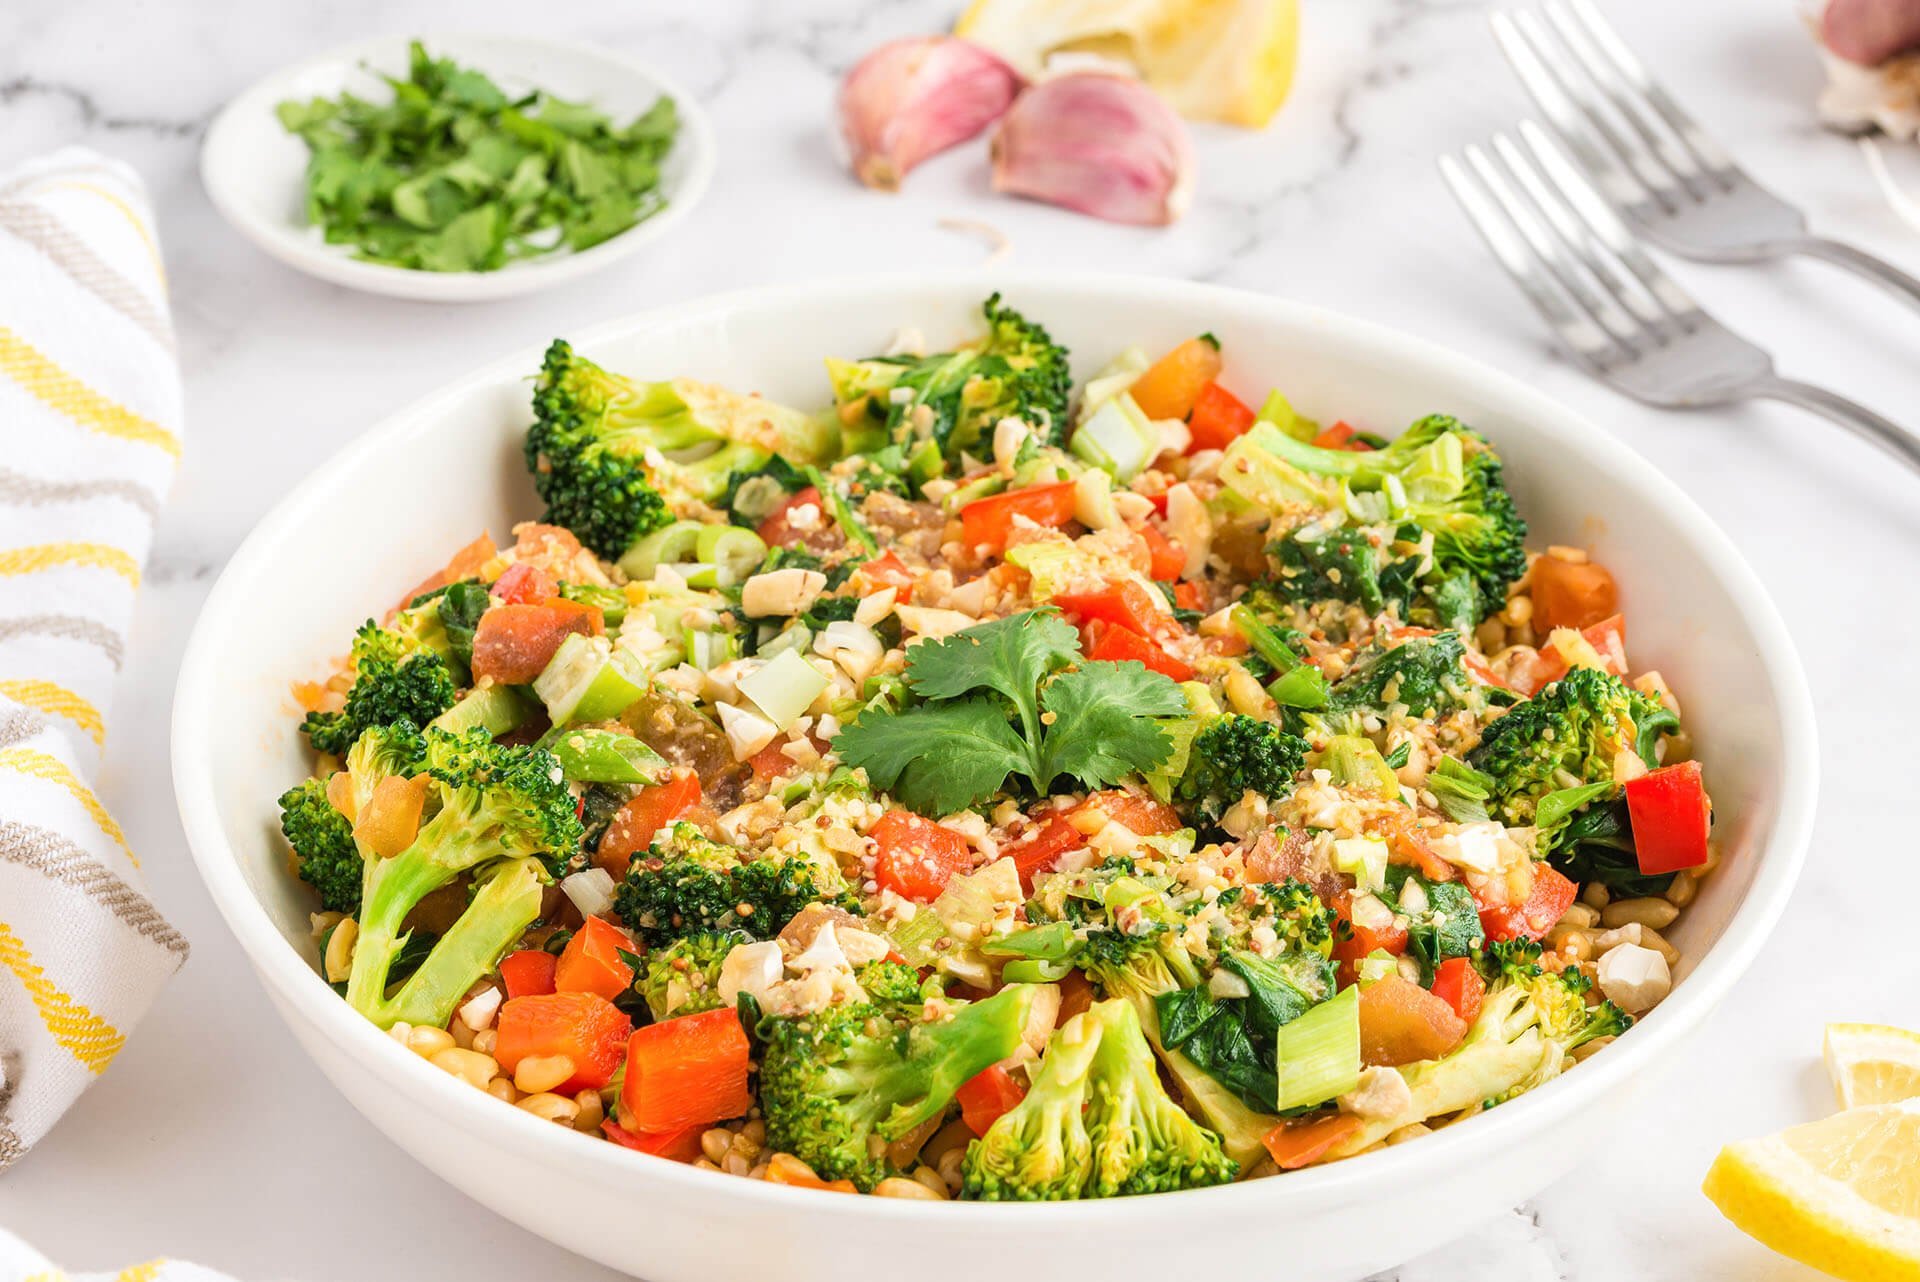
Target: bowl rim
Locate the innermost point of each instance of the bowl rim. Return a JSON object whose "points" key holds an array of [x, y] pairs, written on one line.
{"points": [[299, 990], [298, 249]]}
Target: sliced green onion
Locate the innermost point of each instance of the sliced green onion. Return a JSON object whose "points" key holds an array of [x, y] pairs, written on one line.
{"points": [[734, 552], [499, 708], [1461, 790], [588, 680], [1317, 1056], [601, 756], [1030, 970], [783, 688], [676, 542], [1117, 437], [1053, 942]]}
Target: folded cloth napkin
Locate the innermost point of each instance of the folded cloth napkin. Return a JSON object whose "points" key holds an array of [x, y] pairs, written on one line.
{"points": [[21, 1263], [90, 414]]}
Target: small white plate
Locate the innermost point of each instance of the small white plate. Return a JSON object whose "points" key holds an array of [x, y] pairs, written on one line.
{"points": [[255, 171]]}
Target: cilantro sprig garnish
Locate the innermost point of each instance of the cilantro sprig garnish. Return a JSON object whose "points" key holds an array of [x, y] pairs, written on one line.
{"points": [[454, 175], [1009, 698]]}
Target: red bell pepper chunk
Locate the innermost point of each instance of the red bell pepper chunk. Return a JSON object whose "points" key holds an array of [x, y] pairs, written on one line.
{"points": [[1671, 815], [1459, 985], [591, 961], [1038, 846], [644, 814], [1335, 437], [988, 1096], [1189, 595], [1608, 637], [1123, 602], [682, 1145], [1135, 811], [528, 972], [586, 1028], [690, 1071], [1546, 903], [887, 571], [524, 583], [1218, 417], [1165, 560], [776, 531], [1352, 941], [514, 643], [916, 857], [1110, 641], [988, 523]]}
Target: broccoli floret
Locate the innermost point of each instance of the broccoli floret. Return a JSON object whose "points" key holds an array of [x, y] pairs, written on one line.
{"points": [[892, 983], [1425, 674], [687, 884], [1331, 560], [394, 679], [837, 1084], [1299, 920], [1016, 370], [500, 814], [1440, 477], [615, 459], [1097, 1123], [1529, 1022], [684, 977], [1566, 736], [323, 848], [1233, 755]]}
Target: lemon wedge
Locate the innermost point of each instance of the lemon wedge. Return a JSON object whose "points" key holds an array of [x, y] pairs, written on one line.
{"points": [[1225, 60], [1872, 1063], [1841, 1195]]}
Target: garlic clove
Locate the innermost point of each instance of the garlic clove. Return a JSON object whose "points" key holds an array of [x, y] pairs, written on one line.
{"points": [[913, 98], [1099, 143]]}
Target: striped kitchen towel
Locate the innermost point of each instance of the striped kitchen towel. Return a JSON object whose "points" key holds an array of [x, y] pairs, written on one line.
{"points": [[90, 420], [21, 1263]]}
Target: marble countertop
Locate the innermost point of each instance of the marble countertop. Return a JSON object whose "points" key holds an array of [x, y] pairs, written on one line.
{"points": [[212, 1125]]}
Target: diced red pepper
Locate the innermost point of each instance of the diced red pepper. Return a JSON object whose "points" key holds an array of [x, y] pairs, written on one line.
{"points": [[1293, 1145], [1189, 595], [1335, 437], [886, 571], [1112, 642], [1123, 601], [988, 1096], [528, 972], [644, 814], [1165, 560], [776, 530], [689, 1071], [591, 961], [1546, 904], [988, 522], [1608, 638], [1135, 811], [1459, 985], [524, 583], [1352, 941], [587, 1029], [1218, 417], [1036, 847], [917, 857], [1671, 815], [514, 643], [682, 1145]]}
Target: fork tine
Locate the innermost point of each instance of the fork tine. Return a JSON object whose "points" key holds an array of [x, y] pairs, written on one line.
{"points": [[1581, 241], [1622, 170], [1583, 339], [1607, 227], [1696, 139], [1629, 104], [1561, 258]]}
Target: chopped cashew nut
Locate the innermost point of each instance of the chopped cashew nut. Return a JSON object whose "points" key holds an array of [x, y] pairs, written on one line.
{"points": [[1382, 1092], [781, 592], [1634, 978]]}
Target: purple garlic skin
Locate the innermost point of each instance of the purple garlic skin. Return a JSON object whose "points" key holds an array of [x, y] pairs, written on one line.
{"points": [[913, 98], [1097, 142], [1870, 31]]}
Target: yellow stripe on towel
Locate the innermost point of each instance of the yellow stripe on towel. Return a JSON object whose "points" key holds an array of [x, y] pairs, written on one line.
{"points": [[54, 387], [40, 765], [46, 556], [61, 702], [90, 1039], [141, 1272]]}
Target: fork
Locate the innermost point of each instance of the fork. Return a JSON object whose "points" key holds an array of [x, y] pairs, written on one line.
{"points": [[1614, 311], [1657, 167]]}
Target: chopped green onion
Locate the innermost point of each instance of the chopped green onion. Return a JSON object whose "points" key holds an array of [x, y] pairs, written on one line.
{"points": [[1317, 1056], [734, 552], [665, 546], [1054, 942], [1461, 790], [783, 688], [601, 756], [1030, 970]]}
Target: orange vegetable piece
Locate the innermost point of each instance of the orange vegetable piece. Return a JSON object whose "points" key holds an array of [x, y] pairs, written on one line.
{"points": [[528, 971], [1569, 594], [682, 1145], [514, 642], [464, 564], [392, 817], [1401, 1022], [644, 814], [1218, 417], [686, 1071], [1138, 812], [1293, 1145], [1172, 384], [587, 1029], [591, 961], [988, 523], [917, 857], [988, 1096]]}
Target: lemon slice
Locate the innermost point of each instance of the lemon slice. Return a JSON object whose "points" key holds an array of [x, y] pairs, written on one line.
{"points": [[1841, 1195], [1872, 1063], [1226, 60]]}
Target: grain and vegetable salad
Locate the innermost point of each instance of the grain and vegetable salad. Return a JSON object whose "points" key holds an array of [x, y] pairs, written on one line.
{"points": [[978, 788]]}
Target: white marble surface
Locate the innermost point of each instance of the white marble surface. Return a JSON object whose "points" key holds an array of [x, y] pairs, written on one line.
{"points": [[213, 1139]]}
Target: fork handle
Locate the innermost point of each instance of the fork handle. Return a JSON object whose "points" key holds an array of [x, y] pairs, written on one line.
{"points": [[1852, 415], [1878, 270]]}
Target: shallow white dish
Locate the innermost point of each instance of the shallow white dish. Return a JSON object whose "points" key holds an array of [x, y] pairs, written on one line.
{"points": [[362, 530], [254, 170]]}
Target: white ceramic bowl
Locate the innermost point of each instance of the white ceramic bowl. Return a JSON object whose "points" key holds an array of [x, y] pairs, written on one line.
{"points": [[363, 529], [255, 171]]}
